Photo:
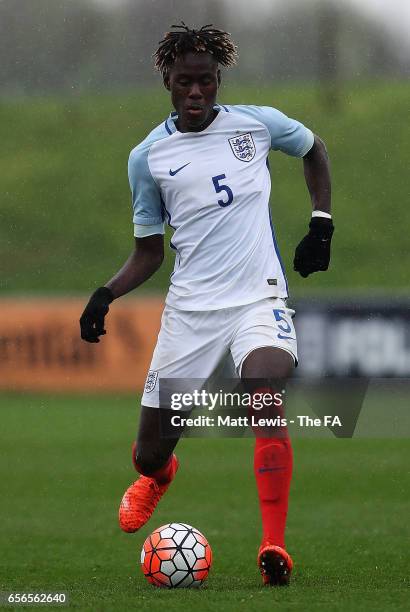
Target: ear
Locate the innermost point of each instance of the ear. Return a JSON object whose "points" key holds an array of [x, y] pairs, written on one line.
{"points": [[166, 82], [219, 77]]}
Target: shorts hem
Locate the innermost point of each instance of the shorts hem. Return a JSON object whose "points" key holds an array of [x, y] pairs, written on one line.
{"points": [[279, 346], [148, 404]]}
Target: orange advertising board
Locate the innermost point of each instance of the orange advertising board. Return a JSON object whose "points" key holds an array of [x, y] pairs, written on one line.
{"points": [[41, 348]]}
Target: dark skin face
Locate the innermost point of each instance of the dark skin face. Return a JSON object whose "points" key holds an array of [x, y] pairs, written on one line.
{"points": [[193, 81]]}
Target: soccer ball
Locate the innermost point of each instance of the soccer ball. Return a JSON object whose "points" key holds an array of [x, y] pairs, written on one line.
{"points": [[176, 555]]}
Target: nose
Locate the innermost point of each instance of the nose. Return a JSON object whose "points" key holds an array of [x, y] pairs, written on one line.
{"points": [[195, 91]]}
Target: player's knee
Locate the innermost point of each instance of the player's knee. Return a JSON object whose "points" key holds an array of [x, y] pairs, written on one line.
{"points": [[149, 461]]}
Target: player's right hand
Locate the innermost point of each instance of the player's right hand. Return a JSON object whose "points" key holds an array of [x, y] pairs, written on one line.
{"points": [[92, 319]]}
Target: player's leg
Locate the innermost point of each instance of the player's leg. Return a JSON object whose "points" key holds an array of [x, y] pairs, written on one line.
{"points": [[265, 353], [153, 450], [266, 370], [189, 348], [153, 458]]}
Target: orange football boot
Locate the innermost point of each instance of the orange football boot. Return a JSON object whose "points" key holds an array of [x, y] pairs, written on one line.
{"points": [[141, 498], [275, 564]]}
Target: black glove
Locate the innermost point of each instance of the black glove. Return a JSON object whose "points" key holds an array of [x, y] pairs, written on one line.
{"points": [[313, 253], [92, 319]]}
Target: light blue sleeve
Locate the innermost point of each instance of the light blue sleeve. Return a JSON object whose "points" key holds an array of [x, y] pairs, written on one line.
{"points": [[286, 134], [142, 231], [146, 196]]}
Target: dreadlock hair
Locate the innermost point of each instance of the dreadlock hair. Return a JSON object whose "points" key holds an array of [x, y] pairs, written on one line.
{"points": [[185, 40]]}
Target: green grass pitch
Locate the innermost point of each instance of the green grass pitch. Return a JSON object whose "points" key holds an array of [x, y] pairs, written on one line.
{"points": [[66, 462]]}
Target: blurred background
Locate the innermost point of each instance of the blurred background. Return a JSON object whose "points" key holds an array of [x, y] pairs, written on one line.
{"points": [[77, 92]]}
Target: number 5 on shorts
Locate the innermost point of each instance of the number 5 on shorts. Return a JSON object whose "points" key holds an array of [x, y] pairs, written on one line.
{"points": [[280, 315]]}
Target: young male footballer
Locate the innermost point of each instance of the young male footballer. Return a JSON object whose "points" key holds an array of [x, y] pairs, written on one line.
{"points": [[204, 171]]}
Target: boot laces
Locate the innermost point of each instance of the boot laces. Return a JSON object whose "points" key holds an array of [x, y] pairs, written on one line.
{"points": [[147, 495]]}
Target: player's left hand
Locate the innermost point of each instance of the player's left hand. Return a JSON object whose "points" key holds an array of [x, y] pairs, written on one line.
{"points": [[92, 319], [313, 253]]}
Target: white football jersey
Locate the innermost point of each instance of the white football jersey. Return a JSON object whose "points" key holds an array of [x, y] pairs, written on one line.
{"points": [[212, 187]]}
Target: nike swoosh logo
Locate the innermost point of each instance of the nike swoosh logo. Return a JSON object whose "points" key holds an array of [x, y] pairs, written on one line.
{"points": [[281, 337], [270, 469], [174, 172]]}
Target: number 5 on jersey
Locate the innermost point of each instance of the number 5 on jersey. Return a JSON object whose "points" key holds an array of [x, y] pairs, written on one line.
{"points": [[219, 188]]}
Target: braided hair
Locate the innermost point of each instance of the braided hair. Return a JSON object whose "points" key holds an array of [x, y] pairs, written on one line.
{"points": [[182, 39]]}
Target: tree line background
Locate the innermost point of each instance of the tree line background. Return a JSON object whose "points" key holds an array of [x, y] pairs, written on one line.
{"points": [[80, 45]]}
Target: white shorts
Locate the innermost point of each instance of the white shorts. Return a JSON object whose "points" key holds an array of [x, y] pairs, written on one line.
{"points": [[196, 344]]}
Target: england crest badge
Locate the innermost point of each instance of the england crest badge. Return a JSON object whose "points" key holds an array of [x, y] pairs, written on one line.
{"points": [[243, 147], [151, 381]]}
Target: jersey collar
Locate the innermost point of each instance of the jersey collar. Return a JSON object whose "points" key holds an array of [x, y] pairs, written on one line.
{"points": [[173, 116]]}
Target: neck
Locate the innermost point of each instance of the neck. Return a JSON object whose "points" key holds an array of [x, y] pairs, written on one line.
{"points": [[184, 126]]}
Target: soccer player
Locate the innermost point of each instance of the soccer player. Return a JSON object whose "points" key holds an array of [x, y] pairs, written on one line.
{"points": [[204, 171]]}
